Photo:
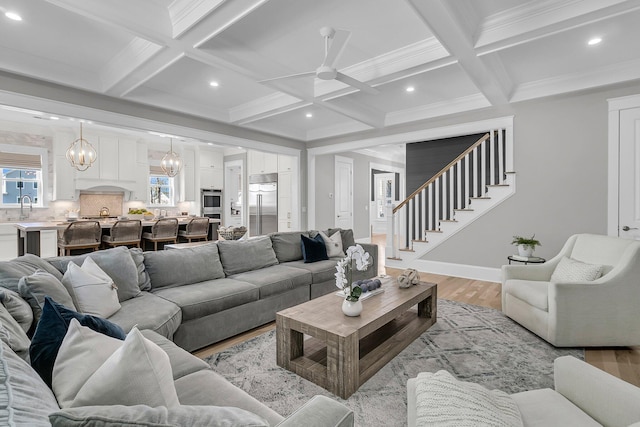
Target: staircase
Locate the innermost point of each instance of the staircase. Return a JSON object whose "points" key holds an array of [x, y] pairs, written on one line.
{"points": [[475, 182]]}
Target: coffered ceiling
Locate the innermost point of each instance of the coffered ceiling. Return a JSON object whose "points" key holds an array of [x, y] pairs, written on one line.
{"points": [[458, 55]]}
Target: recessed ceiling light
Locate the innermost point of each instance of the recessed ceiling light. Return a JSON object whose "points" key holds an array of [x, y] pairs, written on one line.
{"points": [[209, 143], [308, 115], [13, 16], [214, 84], [410, 89], [594, 41], [54, 118]]}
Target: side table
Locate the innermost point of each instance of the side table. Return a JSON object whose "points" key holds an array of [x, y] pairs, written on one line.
{"points": [[526, 260]]}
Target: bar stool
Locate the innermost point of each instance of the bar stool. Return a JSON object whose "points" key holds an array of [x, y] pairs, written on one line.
{"points": [[197, 228], [164, 230], [124, 233], [79, 235]]}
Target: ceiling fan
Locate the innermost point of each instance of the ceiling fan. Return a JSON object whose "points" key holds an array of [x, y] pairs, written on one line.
{"points": [[334, 43]]}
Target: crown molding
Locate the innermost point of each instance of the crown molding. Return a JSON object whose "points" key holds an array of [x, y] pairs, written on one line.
{"points": [[617, 73], [443, 108]]}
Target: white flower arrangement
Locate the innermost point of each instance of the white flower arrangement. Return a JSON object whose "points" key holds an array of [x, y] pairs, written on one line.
{"points": [[358, 258]]}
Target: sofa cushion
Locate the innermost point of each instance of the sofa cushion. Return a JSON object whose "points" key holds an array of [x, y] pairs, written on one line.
{"points": [[321, 271], [51, 330], [239, 256], [275, 279], [145, 416], [313, 250], [92, 290], [35, 287], [287, 245], [347, 237], [209, 388], [12, 333], [12, 271], [535, 293], [149, 311], [138, 373], [182, 362], [25, 400], [116, 262], [182, 267], [204, 298], [571, 270], [19, 309], [546, 407], [81, 353]]}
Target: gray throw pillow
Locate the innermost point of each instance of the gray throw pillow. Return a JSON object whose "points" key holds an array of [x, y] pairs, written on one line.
{"points": [[12, 271], [39, 285], [177, 267], [238, 256], [19, 309], [141, 415], [144, 282], [116, 262], [287, 245], [12, 334]]}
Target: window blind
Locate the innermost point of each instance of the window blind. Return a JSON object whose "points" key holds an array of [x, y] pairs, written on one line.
{"points": [[20, 161], [156, 170]]}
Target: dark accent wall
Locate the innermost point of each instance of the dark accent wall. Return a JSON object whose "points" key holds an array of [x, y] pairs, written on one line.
{"points": [[425, 159]]}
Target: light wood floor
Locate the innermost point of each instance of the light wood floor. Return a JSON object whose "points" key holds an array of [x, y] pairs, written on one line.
{"points": [[621, 362]]}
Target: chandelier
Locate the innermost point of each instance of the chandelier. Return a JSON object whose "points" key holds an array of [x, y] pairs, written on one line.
{"points": [[171, 163], [81, 153]]}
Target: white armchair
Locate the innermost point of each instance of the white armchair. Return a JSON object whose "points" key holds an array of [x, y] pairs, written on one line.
{"points": [[599, 313]]}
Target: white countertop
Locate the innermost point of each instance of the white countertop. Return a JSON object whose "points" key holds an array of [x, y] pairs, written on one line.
{"points": [[54, 225]]}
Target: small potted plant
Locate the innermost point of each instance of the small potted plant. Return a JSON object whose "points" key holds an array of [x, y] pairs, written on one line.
{"points": [[356, 259], [526, 245]]}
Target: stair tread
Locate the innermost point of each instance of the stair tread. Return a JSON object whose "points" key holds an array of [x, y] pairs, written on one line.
{"points": [[433, 231], [420, 241], [394, 258], [464, 210], [448, 220], [498, 185], [406, 250], [480, 198]]}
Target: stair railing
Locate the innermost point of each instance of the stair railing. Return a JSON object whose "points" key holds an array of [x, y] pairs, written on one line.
{"points": [[464, 179]]}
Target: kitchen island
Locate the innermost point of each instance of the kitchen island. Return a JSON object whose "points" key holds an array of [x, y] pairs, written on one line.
{"points": [[29, 232]]}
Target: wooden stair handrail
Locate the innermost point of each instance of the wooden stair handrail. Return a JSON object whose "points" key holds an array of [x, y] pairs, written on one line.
{"points": [[442, 171]]}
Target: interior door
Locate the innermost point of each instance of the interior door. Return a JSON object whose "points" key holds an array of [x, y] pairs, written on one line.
{"points": [[384, 195], [629, 174], [344, 192]]}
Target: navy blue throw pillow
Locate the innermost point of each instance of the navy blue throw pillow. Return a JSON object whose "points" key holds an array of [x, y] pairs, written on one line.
{"points": [[313, 249], [51, 330]]}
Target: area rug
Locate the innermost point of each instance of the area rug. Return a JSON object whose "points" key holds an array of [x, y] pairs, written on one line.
{"points": [[474, 343]]}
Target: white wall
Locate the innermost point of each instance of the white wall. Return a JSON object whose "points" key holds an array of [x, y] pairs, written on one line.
{"points": [[325, 184], [560, 157]]}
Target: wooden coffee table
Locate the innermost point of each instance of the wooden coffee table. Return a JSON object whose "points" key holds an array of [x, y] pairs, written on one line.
{"points": [[340, 353]]}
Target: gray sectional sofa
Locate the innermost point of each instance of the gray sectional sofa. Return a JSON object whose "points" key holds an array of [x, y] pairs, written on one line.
{"points": [[198, 296]]}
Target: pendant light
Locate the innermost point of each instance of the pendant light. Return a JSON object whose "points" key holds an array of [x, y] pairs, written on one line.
{"points": [[171, 163], [81, 153]]}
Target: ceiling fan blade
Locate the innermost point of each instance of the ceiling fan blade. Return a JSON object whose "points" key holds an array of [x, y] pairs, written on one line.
{"points": [[290, 76], [338, 43], [356, 83]]}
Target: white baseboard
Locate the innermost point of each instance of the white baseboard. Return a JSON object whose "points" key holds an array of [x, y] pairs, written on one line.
{"points": [[457, 270]]}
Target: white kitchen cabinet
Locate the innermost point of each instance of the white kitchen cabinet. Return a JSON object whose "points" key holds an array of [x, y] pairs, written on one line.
{"points": [[116, 162], [140, 191], [8, 242], [261, 162], [64, 176], [48, 243], [127, 159], [285, 163], [108, 157], [211, 169], [285, 205]]}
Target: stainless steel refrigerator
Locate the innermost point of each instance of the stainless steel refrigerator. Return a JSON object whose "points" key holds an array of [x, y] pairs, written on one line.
{"points": [[263, 204]]}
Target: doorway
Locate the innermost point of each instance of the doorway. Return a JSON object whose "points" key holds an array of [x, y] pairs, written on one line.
{"points": [[233, 212], [384, 189], [344, 192]]}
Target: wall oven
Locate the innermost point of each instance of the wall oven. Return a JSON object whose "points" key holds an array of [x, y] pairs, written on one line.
{"points": [[211, 202]]}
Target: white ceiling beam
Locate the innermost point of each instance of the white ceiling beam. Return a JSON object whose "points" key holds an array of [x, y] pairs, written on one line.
{"points": [[187, 13], [537, 19], [355, 110], [458, 41]]}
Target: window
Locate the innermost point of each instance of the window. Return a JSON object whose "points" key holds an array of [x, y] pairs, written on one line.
{"points": [[22, 175], [161, 191], [384, 193]]}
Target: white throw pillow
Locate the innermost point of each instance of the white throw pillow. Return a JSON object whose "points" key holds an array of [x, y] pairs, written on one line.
{"points": [[571, 270], [138, 373], [92, 290], [333, 244], [442, 400], [81, 353]]}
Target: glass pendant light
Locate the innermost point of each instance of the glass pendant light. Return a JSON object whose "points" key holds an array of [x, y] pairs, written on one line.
{"points": [[81, 153], [171, 163]]}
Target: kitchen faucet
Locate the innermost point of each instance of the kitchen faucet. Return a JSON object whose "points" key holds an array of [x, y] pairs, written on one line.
{"points": [[22, 215]]}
